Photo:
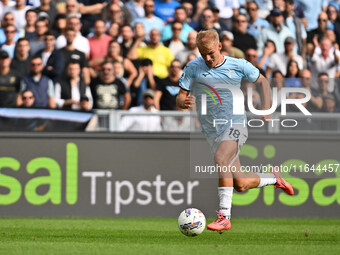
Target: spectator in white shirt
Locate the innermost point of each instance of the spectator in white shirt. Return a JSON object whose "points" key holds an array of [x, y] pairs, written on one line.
{"points": [[144, 123], [325, 60], [279, 61], [72, 92], [80, 42], [19, 12]]}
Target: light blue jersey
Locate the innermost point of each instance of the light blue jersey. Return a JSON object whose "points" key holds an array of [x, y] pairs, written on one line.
{"points": [[200, 79]]}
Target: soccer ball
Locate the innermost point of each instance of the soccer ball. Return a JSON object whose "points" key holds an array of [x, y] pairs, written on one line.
{"points": [[191, 222]]}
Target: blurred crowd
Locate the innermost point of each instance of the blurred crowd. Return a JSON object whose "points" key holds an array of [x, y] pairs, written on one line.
{"points": [[84, 55]]}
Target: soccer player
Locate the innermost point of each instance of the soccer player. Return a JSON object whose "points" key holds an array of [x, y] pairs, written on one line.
{"points": [[225, 140]]}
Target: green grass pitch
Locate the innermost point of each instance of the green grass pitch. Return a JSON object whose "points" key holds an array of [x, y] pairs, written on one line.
{"points": [[161, 236]]}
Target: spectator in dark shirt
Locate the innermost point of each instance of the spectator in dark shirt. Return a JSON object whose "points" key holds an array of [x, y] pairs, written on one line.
{"points": [[59, 26], [41, 85], [168, 88], [128, 39], [109, 92], [72, 54], [145, 80], [242, 39], [314, 37], [48, 10], [53, 59], [21, 60], [31, 17], [9, 82], [38, 43]]}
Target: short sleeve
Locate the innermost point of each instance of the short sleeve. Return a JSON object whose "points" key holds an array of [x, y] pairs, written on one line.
{"points": [[251, 73], [186, 77], [84, 62], [50, 90], [121, 88], [159, 84]]}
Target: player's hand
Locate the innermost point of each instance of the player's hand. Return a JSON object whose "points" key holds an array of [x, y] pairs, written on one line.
{"points": [[265, 118], [189, 102]]}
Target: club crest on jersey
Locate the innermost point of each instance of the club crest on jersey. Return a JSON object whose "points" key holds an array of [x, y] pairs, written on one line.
{"points": [[229, 72]]}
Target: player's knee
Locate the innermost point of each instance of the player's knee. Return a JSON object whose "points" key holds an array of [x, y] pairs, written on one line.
{"points": [[240, 185], [224, 157], [221, 159]]}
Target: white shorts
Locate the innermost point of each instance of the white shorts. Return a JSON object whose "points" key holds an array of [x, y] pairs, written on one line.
{"points": [[237, 133]]}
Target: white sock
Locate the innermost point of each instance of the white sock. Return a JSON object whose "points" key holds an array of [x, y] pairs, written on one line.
{"points": [[266, 179], [225, 195]]}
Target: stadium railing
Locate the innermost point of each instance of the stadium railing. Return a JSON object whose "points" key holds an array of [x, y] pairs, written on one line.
{"points": [[292, 123]]}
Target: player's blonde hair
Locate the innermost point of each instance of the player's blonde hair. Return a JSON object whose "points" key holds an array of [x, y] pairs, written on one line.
{"points": [[207, 37]]}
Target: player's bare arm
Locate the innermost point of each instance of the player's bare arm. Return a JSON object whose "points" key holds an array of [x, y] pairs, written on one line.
{"points": [[183, 100], [265, 90]]}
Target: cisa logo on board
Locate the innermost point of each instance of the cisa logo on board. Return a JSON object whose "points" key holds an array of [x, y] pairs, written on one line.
{"points": [[44, 181]]}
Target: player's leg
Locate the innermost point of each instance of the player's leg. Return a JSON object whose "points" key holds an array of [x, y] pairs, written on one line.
{"points": [[244, 181], [224, 157]]}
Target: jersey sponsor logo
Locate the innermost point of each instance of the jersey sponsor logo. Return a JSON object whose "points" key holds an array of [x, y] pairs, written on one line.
{"points": [[205, 74]]}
